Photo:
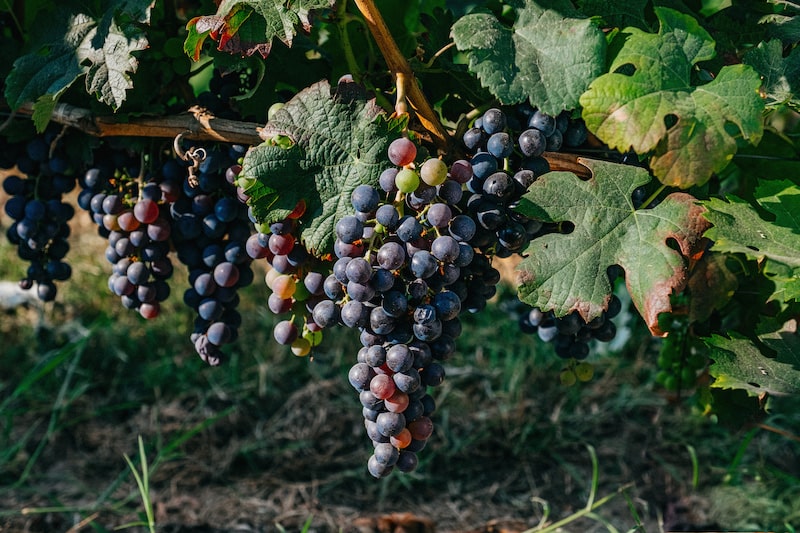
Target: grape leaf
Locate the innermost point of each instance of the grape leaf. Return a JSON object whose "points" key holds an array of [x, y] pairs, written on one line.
{"points": [[785, 25], [738, 228], [785, 279], [545, 58], [711, 284], [740, 363], [108, 53], [567, 273], [69, 45], [781, 75], [52, 67], [656, 108], [277, 18], [319, 147]]}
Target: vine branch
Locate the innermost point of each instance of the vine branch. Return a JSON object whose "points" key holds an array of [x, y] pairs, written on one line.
{"points": [[200, 125], [196, 124], [398, 65]]}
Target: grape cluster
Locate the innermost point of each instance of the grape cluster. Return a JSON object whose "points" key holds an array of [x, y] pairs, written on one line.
{"points": [[40, 215], [295, 281], [405, 271], [132, 213], [211, 235], [680, 359], [506, 158]]}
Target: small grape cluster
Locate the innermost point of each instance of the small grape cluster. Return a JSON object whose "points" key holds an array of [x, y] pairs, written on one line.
{"points": [[211, 236], [295, 281], [507, 157], [40, 215], [132, 213], [405, 271], [679, 361]]}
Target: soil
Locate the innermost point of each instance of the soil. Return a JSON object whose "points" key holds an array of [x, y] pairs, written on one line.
{"points": [[245, 472]]}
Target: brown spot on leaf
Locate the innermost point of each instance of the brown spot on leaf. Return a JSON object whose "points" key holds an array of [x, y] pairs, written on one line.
{"points": [[690, 241]]}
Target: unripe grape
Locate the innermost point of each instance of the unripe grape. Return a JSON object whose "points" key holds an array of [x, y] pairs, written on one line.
{"points": [[433, 172]]}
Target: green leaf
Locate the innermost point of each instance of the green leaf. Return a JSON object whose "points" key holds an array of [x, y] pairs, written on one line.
{"points": [[52, 67], [567, 273], [75, 44], [546, 58], [108, 52], [42, 110], [771, 366], [781, 75], [738, 228], [785, 279], [280, 18], [337, 142], [657, 109], [785, 25]]}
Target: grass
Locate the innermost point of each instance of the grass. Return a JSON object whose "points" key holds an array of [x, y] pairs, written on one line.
{"points": [[270, 438]]}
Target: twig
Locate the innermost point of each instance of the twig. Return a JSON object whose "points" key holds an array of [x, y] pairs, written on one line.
{"points": [[398, 65]]}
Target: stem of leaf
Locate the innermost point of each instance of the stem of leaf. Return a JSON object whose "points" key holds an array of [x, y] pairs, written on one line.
{"points": [[347, 47], [343, 18], [12, 10], [653, 196]]}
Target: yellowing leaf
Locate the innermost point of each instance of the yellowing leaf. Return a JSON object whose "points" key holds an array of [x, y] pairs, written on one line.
{"points": [[657, 109], [567, 273]]}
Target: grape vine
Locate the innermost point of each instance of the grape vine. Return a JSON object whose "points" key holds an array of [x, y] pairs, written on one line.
{"points": [[598, 152]]}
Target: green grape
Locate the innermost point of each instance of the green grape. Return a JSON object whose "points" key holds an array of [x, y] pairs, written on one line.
{"points": [[584, 371], [274, 108], [301, 293], [688, 377], [433, 172], [671, 382], [661, 377], [313, 337], [568, 377], [407, 180], [301, 347]]}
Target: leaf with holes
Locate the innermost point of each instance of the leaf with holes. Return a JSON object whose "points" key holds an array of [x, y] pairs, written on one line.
{"points": [[770, 366], [567, 273], [546, 58], [319, 147], [657, 109]]}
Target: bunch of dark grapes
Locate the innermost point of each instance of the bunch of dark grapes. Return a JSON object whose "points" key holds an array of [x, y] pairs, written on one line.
{"points": [[210, 233], [405, 271], [131, 210], [40, 228], [506, 158]]}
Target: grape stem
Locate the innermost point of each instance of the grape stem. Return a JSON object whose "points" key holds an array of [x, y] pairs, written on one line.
{"points": [[398, 65]]}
